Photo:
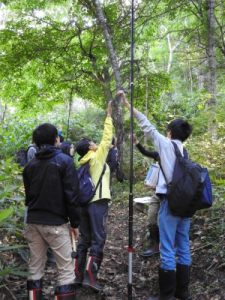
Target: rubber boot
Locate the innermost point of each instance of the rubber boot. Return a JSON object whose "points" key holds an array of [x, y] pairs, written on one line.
{"points": [[80, 263], [50, 257], [167, 285], [183, 279], [153, 242], [65, 292], [34, 288], [90, 276]]}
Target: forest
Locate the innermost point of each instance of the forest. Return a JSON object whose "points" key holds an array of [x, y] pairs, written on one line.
{"points": [[62, 61]]}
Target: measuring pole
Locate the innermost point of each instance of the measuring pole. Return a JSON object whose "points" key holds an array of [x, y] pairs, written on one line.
{"points": [[130, 245]]}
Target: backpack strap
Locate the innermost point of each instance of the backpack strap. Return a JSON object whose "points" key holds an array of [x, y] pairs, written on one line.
{"points": [[177, 151], [100, 178], [178, 154], [164, 175], [186, 153]]}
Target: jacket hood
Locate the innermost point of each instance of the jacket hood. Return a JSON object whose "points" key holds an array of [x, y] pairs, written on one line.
{"points": [[47, 151], [85, 159]]}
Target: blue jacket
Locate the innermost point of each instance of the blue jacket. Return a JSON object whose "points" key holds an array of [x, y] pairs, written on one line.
{"points": [[51, 188]]}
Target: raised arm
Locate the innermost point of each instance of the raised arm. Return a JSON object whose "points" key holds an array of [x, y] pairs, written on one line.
{"points": [[145, 152], [103, 148], [157, 138]]}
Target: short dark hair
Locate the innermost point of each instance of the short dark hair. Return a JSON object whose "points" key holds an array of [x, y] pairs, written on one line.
{"points": [[82, 147], [45, 134], [180, 129], [65, 147]]}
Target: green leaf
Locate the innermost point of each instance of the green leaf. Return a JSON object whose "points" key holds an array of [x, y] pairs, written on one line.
{"points": [[6, 213], [15, 247], [6, 271]]}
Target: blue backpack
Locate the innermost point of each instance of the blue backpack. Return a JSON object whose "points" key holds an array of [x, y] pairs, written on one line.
{"points": [[190, 188], [206, 199], [86, 185]]}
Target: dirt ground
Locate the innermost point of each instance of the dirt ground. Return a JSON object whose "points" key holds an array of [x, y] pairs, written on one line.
{"points": [[207, 273]]}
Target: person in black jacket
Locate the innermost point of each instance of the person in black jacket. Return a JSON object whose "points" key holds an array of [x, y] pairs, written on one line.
{"points": [[67, 148], [153, 230], [52, 194], [112, 160]]}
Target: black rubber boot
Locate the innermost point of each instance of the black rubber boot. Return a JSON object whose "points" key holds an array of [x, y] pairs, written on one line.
{"points": [[90, 276], [183, 279], [34, 289], [80, 263], [65, 292], [50, 257], [153, 242], [167, 285]]}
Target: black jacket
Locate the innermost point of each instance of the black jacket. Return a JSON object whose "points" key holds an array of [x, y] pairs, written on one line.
{"points": [[151, 154], [51, 188], [112, 159]]}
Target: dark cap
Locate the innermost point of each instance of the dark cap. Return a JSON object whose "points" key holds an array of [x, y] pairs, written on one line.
{"points": [[82, 147]]}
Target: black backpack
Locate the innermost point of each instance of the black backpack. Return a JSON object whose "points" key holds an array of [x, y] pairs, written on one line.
{"points": [[21, 157], [190, 188]]}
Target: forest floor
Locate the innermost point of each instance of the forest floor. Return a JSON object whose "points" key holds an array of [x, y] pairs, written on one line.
{"points": [[207, 272]]}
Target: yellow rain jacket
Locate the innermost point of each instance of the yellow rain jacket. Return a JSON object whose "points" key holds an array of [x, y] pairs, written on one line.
{"points": [[97, 159]]}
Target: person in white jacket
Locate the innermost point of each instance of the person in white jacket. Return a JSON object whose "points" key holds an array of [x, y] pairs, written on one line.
{"points": [[175, 257]]}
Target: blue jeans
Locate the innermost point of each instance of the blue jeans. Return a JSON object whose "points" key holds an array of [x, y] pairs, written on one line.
{"points": [[92, 228], [174, 238]]}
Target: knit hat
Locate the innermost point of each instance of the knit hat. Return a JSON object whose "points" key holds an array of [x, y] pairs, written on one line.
{"points": [[82, 147]]}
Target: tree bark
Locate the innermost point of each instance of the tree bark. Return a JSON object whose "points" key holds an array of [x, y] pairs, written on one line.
{"points": [[3, 109], [210, 51], [146, 102], [117, 111], [171, 51], [108, 40]]}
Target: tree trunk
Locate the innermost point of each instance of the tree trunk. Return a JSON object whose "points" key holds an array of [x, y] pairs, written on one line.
{"points": [[117, 111], [108, 40], [146, 102], [70, 104], [3, 110], [106, 84], [171, 51], [190, 77], [210, 51]]}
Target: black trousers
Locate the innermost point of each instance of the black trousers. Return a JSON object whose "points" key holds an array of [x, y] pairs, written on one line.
{"points": [[93, 228]]}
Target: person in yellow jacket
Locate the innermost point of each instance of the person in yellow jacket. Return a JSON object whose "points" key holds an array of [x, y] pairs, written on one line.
{"points": [[94, 215]]}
